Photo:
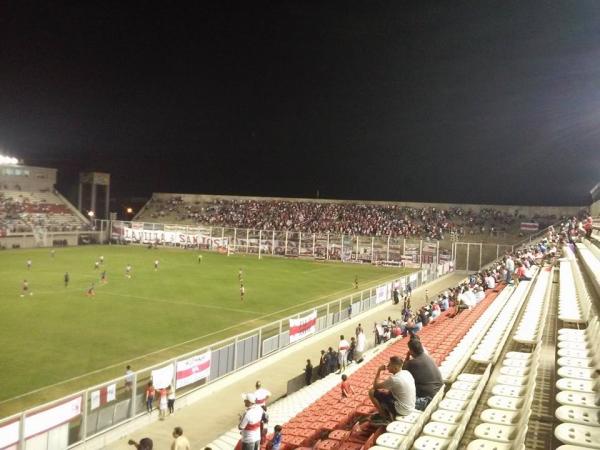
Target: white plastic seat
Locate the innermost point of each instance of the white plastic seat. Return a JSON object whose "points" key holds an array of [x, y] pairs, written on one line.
{"points": [[583, 363], [430, 443], [578, 414], [514, 371], [499, 416], [470, 377], [585, 399], [574, 353], [464, 385], [484, 444], [571, 331], [508, 390], [413, 417], [495, 432], [575, 372], [501, 402], [399, 427], [446, 416], [572, 338], [574, 345], [573, 384], [390, 440], [439, 429], [457, 394], [516, 363], [581, 435], [453, 405], [518, 355], [513, 381]]}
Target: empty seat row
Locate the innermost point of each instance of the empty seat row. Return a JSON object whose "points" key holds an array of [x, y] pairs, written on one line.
{"points": [[579, 365], [591, 264], [531, 325], [574, 301], [460, 354], [401, 433], [449, 421], [504, 423], [491, 345]]}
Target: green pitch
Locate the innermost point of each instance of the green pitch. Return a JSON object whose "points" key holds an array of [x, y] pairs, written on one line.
{"points": [[59, 333]]}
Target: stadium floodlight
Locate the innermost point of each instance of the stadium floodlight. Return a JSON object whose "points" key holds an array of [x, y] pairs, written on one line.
{"points": [[8, 160], [91, 213], [129, 210]]}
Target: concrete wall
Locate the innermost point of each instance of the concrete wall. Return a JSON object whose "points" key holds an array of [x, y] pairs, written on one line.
{"points": [[528, 211], [28, 241]]}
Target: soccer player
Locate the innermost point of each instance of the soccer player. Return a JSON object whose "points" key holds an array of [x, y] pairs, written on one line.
{"points": [[66, 279], [91, 292], [355, 281], [242, 292], [25, 289], [240, 275], [103, 277], [101, 259], [156, 262], [128, 271], [28, 264], [199, 258], [97, 265], [52, 253]]}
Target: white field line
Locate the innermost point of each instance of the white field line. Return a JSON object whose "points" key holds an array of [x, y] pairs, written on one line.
{"points": [[236, 326]]}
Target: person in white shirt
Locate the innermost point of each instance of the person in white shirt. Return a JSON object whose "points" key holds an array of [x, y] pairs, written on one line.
{"points": [[250, 421], [343, 347], [180, 442], [361, 343], [395, 396], [261, 395]]}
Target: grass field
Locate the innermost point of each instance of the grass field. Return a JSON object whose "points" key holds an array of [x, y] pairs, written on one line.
{"points": [[60, 334]]}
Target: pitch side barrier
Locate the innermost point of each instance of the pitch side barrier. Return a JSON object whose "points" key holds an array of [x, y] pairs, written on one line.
{"points": [[82, 416]]}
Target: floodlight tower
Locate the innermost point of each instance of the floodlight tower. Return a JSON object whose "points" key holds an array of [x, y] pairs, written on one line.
{"points": [[94, 180]]}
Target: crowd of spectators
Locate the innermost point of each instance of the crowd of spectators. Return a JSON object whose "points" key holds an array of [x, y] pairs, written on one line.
{"points": [[341, 218], [22, 213]]}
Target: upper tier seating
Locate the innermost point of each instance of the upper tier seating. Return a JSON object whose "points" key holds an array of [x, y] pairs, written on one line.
{"points": [[21, 212], [334, 217]]}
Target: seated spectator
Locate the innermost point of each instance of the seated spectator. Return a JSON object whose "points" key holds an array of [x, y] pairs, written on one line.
{"points": [[396, 395], [427, 376], [346, 387], [435, 311]]}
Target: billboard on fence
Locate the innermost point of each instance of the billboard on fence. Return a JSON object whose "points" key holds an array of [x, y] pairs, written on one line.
{"points": [[382, 293], [302, 326], [193, 369], [530, 226], [102, 396], [179, 235]]}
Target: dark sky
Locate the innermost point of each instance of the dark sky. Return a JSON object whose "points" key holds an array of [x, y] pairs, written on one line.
{"points": [[493, 102]]}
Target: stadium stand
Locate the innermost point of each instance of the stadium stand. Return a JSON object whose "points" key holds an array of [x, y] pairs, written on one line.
{"points": [[369, 219], [22, 211]]}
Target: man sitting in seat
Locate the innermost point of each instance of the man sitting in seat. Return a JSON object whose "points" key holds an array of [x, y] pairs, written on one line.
{"points": [[396, 395], [427, 376]]}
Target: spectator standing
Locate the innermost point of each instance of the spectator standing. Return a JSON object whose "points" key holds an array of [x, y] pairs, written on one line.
{"points": [[277, 438], [150, 392], [361, 343], [427, 376], [322, 364], [180, 442], [261, 395], [144, 444], [250, 423], [332, 361], [343, 347], [162, 404], [129, 376], [171, 399], [308, 370]]}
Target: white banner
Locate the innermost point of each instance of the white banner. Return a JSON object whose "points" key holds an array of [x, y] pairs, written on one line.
{"points": [[382, 294], [189, 237], [303, 326], [163, 377], [193, 369], [52, 417]]}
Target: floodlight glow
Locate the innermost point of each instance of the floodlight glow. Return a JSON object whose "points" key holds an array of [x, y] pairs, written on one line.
{"points": [[6, 160], [129, 210], [91, 213]]}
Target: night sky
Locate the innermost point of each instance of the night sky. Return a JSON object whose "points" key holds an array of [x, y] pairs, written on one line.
{"points": [[453, 101]]}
